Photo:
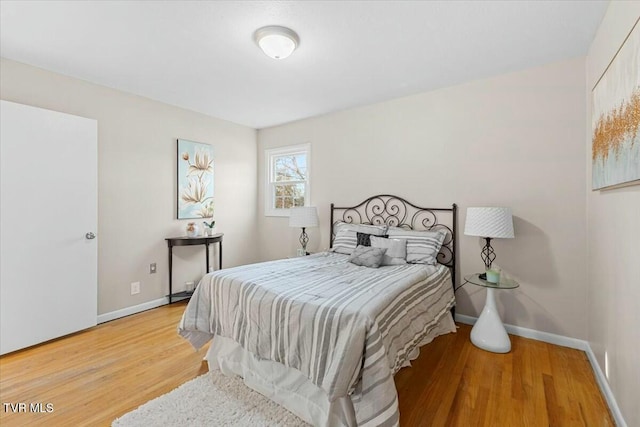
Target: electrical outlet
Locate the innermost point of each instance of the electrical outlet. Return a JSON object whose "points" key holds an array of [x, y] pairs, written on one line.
{"points": [[135, 288], [152, 268]]}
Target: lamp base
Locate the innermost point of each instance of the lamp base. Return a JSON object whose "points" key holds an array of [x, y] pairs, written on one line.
{"points": [[488, 255], [304, 239]]}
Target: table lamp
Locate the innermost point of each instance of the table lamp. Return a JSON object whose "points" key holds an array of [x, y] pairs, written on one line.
{"points": [[303, 217], [489, 223]]}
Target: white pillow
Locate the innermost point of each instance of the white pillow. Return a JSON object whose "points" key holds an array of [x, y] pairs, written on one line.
{"points": [[345, 242], [422, 246], [376, 230], [396, 250]]}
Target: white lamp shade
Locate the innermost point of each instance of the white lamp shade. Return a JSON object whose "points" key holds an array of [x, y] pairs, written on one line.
{"points": [[277, 42], [493, 222], [306, 216]]}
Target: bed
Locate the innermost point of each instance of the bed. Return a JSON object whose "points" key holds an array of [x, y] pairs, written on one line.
{"points": [[323, 336]]}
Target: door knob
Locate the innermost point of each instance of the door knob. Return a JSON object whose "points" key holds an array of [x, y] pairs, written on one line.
{"points": [[90, 235]]}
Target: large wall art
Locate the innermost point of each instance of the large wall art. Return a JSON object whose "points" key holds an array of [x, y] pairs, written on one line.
{"points": [[195, 180], [616, 118]]}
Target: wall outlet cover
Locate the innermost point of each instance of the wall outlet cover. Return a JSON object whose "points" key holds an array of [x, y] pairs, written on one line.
{"points": [[135, 288]]}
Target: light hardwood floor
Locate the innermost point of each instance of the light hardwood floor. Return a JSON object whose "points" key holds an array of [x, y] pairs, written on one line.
{"points": [[97, 375]]}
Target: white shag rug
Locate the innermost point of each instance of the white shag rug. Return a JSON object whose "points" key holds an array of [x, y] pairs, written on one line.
{"points": [[212, 399]]}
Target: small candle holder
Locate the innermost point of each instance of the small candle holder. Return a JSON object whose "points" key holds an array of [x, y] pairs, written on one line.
{"points": [[189, 286], [192, 229], [493, 276]]}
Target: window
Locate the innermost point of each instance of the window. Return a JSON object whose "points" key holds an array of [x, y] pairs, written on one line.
{"points": [[287, 179]]}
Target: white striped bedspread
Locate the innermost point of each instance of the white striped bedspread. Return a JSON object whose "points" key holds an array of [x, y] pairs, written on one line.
{"points": [[348, 328]]}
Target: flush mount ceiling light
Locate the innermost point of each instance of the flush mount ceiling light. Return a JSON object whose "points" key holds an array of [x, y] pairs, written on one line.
{"points": [[277, 42]]}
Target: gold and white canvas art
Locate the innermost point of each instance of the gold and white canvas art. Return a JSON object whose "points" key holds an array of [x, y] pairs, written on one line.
{"points": [[616, 118]]}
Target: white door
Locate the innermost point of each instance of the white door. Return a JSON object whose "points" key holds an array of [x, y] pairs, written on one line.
{"points": [[48, 204]]}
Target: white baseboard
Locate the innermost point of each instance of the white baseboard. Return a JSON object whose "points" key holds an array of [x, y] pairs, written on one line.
{"points": [[606, 390], [565, 342], [533, 334], [106, 317]]}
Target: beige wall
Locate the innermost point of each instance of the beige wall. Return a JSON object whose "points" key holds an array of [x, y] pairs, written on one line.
{"points": [[515, 140], [137, 180], [613, 261]]}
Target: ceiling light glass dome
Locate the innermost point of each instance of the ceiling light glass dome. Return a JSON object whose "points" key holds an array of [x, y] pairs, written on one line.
{"points": [[277, 42]]}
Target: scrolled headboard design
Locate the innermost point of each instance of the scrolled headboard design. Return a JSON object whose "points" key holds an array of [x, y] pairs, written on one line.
{"points": [[398, 212]]}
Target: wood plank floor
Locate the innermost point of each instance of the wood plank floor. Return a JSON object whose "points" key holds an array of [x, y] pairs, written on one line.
{"points": [[93, 377]]}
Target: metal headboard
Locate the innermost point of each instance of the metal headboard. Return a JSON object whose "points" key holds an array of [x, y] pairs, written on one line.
{"points": [[398, 212]]}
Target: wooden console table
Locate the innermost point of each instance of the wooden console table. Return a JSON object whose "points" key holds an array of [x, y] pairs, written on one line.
{"points": [[191, 241]]}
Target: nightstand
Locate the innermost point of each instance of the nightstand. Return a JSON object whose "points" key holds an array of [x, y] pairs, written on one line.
{"points": [[488, 333], [191, 241]]}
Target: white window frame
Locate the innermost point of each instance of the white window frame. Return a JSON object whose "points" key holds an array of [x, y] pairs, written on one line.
{"points": [[269, 194]]}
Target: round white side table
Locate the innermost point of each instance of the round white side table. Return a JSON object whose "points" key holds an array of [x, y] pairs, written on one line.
{"points": [[488, 333]]}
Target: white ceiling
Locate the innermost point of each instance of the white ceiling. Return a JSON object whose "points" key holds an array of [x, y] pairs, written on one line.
{"points": [[201, 55]]}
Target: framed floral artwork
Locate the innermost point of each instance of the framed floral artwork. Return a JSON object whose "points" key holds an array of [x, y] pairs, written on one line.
{"points": [[616, 118], [195, 180]]}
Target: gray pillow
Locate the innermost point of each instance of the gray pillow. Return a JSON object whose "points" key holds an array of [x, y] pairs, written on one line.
{"points": [[346, 238], [396, 250], [367, 256], [422, 246]]}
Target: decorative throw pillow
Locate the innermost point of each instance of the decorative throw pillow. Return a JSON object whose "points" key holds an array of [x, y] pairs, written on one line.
{"points": [[396, 250], [422, 246], [345, 242], [367, 256], [364, 239]]}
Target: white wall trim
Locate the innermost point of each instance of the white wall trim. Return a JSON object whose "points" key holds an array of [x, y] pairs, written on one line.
{"points": [[533, 334], [606, 390], [565, 342], [113, 315]]}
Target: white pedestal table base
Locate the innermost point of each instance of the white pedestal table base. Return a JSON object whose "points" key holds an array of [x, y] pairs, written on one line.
{"points": [[488, 333]]}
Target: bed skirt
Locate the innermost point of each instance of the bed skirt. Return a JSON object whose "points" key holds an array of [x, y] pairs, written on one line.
{"points": [[289, 387]]}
